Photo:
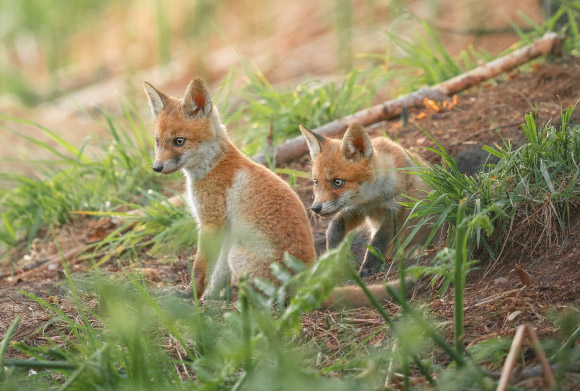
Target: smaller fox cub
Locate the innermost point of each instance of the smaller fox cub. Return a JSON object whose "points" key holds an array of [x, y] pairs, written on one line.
{"points": [[357, 179]]}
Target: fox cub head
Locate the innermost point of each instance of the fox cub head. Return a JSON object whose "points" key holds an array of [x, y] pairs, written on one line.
{"points": [[187, 130], [339, 168]]}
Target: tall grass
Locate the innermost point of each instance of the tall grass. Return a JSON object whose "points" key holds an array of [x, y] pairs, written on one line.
{"points": [[532, 191], [418, 58], [118, 343], [116, 173], [280, 111], [563, 20]]}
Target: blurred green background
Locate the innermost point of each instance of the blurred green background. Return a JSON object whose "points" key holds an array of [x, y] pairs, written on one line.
{"points": [[59, 59]]}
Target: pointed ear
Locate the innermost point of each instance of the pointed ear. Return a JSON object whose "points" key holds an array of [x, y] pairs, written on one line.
{"points": [[313, 140], [196, 101], [157, 100], [356, 143]]}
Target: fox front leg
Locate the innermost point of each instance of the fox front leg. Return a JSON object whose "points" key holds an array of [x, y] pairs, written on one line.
{"points": [[198, 274], [380, 243], [340, 225], [208, 255]]}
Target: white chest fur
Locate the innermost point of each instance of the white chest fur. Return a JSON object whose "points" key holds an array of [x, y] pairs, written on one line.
{"points": [[192, 200]]}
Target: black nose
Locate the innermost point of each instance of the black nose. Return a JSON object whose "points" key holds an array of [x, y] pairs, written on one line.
{"points": [[316, 208], [158, 167]]}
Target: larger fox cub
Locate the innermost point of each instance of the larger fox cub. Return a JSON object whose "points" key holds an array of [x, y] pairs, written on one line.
{"points": [[248, 217], [357, 179]]}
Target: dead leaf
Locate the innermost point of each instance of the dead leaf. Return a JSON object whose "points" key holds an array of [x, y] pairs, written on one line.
{"points": [[513, 315], [523, 275]]}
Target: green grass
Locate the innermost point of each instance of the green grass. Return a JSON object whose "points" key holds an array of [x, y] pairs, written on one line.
{"points": [[418, 59], [313, 102], [117, 173], [128, 338], [118, 344], [531, 193], [563, 21]]}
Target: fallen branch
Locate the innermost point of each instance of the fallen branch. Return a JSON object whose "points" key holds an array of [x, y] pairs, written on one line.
{"points": [[494, 297], [49, 261], [510, 362], [296, 147]]}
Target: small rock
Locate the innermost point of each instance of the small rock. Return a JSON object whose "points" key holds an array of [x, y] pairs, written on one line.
{"points": [[319, 358], [513, 315]]}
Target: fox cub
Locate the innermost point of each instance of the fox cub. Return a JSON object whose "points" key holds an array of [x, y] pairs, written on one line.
{"points": [[247, 216], [357, 179]]}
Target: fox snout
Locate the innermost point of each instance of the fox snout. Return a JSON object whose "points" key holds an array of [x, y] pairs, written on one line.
{"points": [[326, 208], [316, 207], [166, 167], [157, 167]]}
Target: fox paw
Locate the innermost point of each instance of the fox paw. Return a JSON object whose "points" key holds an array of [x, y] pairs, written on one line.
{"points": [[176, 292], [367, 269]]}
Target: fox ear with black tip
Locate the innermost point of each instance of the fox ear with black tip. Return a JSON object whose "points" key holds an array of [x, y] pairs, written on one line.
{"points": [[356, 143], [313, 140], [197, 100], [157, 100]]}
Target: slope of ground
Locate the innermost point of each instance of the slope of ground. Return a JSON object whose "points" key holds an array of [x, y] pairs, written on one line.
{"points": [[496, 299]]}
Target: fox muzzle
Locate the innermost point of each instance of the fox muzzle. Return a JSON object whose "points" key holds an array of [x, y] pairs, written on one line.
{"points": [[157, 167], [316, 207]]}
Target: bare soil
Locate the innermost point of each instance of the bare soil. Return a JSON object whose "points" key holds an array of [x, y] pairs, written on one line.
{"points": [[496, 300]]}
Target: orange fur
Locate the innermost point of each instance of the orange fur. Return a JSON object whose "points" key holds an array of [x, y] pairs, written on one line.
{"points": [[371, 183], [248, 217]]}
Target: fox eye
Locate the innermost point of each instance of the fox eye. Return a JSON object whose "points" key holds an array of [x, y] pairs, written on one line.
{"points": [[179, 141], [315, 182], [337, 183], [156, 142]]}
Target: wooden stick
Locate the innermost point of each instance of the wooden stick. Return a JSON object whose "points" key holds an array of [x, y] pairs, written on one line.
{"points": [[494, 297], [534, 371], [296, 147], [511, 359], [52, 259], [506, 373], [547, 369]]}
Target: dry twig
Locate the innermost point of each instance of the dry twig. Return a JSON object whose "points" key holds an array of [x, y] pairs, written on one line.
{"points": [[506, 373], [53, 259]]}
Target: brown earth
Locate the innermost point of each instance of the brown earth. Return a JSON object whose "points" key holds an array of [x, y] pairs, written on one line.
{"points": [[496, 300]]}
